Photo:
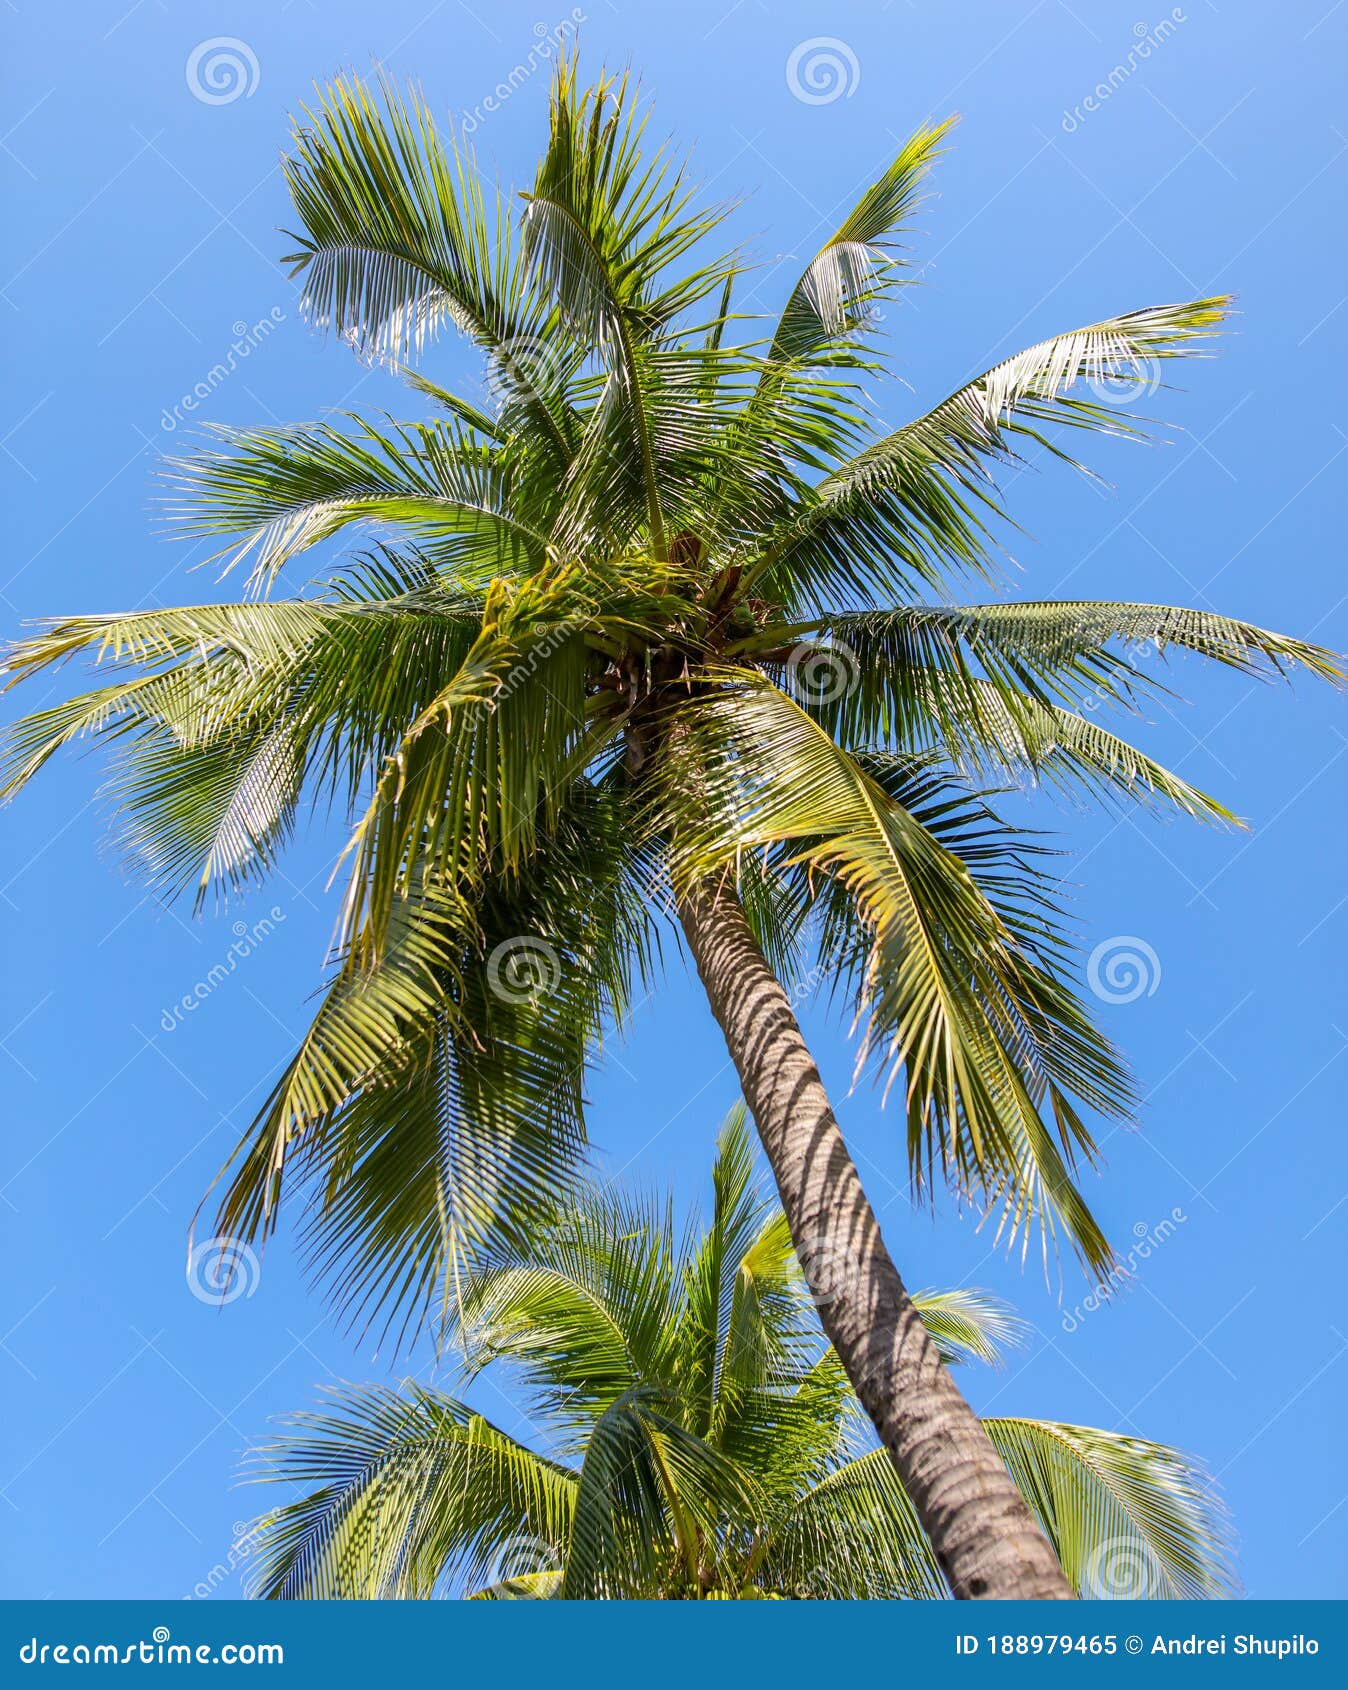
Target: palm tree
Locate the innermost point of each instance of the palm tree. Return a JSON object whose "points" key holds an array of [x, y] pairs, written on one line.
{"points": [[699, 1440], [656, 632]]}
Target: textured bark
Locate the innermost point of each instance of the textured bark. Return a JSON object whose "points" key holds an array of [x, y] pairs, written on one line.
{"points": [[988, 1543]]}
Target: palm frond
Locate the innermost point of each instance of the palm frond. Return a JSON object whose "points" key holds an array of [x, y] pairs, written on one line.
{"points": [[489, 756], [853, 268], [1070, 751], [951, 994], [435, 1108], [912, 508], [412, 1494], [909, 688], [398, 240], [278, 491], [743, 1317], [854, 1536], [232, 710], [1128, 1518], [1053, 649], [968, 1325], [602, 224]]}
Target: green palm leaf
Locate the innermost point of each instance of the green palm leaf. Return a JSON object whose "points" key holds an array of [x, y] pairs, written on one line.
{"points": [[911, 507], [411, 1492], [1128, 1518], [243, 707], [281, 491], [397, 241], [851, 269], [951, 994], [1051, 648], [435, 1107], [698, 1440]]}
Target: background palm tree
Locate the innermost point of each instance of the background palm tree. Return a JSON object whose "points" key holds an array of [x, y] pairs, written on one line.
{"points": [[697, 1439], [663, 635]]}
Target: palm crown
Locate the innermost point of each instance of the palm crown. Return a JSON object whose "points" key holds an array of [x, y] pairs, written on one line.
{"points": [[666, 610], [698, 1439]]}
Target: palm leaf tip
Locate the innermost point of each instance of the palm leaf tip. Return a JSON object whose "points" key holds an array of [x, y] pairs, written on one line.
{"points": [[1132, 348], [969, 1324], [853, 269], [1130, 1519]]}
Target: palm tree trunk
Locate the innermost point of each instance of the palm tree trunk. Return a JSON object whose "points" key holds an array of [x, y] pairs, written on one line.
{"points": [[985, 1537]]}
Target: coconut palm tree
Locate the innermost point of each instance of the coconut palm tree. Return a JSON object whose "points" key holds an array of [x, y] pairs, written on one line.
{"points": [[665, 629], [697, 1438]]}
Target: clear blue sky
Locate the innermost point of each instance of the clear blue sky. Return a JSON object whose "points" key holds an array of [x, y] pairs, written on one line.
{"points": [[143, 228]]}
